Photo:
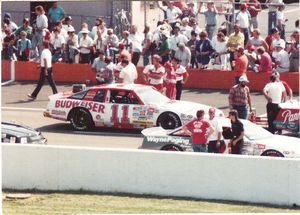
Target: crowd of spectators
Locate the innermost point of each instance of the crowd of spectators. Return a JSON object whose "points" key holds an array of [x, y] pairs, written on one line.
{"points": [[177, 36]]}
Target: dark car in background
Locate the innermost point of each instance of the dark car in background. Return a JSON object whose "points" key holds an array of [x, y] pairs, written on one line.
{"points": [[12, 132]]}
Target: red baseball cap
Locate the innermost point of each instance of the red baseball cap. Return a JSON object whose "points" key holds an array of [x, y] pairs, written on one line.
{"points": [[168, 65], [244, 6]]}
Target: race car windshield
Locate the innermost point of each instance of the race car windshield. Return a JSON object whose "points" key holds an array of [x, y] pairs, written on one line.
{"points": [[151, 96], [255, 132]]}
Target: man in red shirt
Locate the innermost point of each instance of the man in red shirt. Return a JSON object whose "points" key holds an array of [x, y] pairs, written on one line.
{"points": [[200, 129], [241, 64]]}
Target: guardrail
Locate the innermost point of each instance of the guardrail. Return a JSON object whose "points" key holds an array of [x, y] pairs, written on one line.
{"points": [[196, 175], [199, 79]]}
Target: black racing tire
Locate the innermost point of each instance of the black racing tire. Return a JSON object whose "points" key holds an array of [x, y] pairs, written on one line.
{"points": [[272, 153], [171, 147], [81, 119], [169, 120]]}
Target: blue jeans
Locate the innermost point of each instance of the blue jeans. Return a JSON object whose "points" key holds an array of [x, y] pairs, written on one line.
{"points": [[199, 147], [272, 17], [246, 35], [210, 29], [242, 111], [146, 58]]}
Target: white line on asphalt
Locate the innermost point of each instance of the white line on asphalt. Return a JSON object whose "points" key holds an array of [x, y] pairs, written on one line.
{"points": [[23, 109]]}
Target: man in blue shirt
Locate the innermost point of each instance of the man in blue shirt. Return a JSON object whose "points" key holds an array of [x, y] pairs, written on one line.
{"points": [[55, 14]]}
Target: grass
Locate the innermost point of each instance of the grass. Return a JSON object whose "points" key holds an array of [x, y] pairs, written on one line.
{"points": [[86, 203]]}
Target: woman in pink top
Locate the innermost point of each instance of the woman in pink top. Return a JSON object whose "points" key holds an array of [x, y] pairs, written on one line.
{"points": [[265, 64]]}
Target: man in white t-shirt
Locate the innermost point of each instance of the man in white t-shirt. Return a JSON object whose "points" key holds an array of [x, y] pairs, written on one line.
{"points": [[275, 93], [172, 12], [243, 18], [128, 73], [85, 45], [153, 74], [282, 60], [177, 38], [215, 140], [46, 72], [58, 43], [137, 40]]}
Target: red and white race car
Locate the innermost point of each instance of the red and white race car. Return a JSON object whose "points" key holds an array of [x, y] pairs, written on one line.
{"points": [[288, 117], [121, 106]]}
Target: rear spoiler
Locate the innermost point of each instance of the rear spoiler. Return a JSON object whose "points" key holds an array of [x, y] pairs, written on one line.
{"points": [[60, 95]]}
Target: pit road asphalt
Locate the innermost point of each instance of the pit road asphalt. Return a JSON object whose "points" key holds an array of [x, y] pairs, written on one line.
{"points": [[16, 107]]}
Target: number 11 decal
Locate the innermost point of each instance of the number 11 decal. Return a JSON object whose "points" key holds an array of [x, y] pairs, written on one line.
{"points": [[115, 119]]}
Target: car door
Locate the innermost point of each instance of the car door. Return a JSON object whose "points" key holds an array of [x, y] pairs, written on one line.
{"points": [[126, 110], [96, 103]]}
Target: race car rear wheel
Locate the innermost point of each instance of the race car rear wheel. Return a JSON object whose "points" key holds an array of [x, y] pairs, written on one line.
{"points": [[81, 119], [171, 147], [168, 120], [272, 153]]}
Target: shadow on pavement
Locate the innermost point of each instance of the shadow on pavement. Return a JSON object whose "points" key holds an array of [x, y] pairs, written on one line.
{"points": [[66, 128]]}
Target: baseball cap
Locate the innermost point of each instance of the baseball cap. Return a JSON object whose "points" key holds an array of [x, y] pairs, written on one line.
{"points": [[25, 20], [212, 110], [279, 45], [84, 31], [177, 25], [243, 6], [7, 15], [243, 78], [71, 29], [68, 18]]}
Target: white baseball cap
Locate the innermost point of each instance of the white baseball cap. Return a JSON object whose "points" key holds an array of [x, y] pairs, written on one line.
{"points": [[71, 29], [243, 78]]}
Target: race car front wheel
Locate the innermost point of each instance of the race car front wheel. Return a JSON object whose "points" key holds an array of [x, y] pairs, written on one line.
{"points": [[81, 119], [168, 120], [171, 147], [272, 153]]}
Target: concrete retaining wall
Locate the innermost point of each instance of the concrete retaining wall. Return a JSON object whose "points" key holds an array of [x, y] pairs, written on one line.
{"points": [[240, 178]]}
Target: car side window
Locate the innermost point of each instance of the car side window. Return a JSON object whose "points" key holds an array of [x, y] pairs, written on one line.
{"points": [[79, 95], [100, 96], [123, 97]]}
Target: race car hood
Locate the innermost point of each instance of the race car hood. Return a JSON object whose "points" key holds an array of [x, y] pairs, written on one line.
{"points": [[155, 131], [191, 108]]}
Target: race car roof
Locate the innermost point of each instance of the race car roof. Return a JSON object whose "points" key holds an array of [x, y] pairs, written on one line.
{"points": [[120, 86]]}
